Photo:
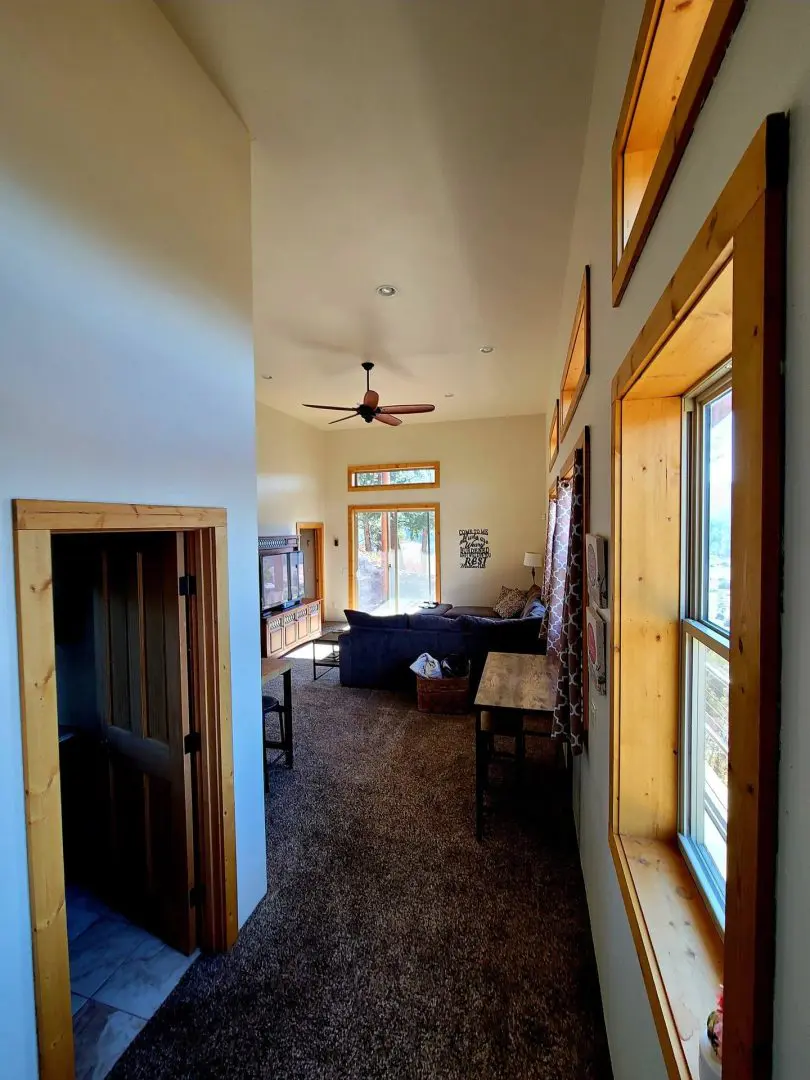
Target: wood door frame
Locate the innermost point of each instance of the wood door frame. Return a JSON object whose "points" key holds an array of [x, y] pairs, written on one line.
{"points": [[434, 506], [320, 555], [34, 522]]}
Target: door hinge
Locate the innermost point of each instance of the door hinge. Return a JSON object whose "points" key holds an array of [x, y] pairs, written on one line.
{"points": [[196, 895], [188, 585], [192, 743]]}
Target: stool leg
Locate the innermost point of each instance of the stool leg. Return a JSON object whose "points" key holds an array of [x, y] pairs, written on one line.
{"points": [[288, 717]]}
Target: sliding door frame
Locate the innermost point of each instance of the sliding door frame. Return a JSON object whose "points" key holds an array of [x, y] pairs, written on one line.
{"points": [[381, 508]]}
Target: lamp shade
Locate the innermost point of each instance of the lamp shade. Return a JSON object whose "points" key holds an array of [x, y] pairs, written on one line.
{"points": [[533, 558]]}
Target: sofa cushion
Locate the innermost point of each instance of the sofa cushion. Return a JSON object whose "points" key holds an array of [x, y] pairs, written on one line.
{"points": [[378, 622], [503, 635], [425, 621], [482, 612], [510, 603]]}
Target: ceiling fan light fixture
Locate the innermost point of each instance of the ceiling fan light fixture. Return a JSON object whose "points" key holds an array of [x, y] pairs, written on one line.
{"points": [[370, 409], [487, 349], [387, 290]]}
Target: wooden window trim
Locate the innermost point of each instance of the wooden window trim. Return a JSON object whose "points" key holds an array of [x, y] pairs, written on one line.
{"points": [[582, 322], [748, 225], [714, 41], [34, 523], [554, 436], [436, 507], [352, 469]]}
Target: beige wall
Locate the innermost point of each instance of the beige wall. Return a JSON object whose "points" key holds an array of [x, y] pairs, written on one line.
{"points": [[492, 477], [290, 462], [767, 69], [126, 352]]}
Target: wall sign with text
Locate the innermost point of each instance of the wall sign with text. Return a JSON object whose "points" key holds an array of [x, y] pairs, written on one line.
{"points": [[473, 548]]}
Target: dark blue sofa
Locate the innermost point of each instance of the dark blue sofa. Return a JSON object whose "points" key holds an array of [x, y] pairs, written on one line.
{"points": [[377, 651]]}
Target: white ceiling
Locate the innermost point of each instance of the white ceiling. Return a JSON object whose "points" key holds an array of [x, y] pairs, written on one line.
{"points": [[431, 144]]}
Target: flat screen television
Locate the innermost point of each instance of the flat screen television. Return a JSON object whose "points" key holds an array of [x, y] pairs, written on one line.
{"points": [[281, 576]]}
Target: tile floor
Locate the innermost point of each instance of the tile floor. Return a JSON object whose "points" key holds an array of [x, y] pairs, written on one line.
{"points": [[119, 976]]}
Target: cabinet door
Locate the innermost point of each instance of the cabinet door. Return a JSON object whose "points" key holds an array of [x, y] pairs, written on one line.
{"points": [[315, 619], [290, 633], [302, 621], [275, 637]]}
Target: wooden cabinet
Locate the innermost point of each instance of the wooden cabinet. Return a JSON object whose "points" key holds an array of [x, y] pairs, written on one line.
{"points": [[287, 629]]}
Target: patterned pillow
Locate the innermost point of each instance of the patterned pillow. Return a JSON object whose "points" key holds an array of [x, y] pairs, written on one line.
{"points": [[510, 603]]}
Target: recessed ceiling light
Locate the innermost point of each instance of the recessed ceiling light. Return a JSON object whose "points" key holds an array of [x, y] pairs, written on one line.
{"points": [[487, 348], [386, 290], [267, 376], [449, 395]]}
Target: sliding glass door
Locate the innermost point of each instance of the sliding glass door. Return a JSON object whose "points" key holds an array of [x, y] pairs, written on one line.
{"points": [[394, 564]]}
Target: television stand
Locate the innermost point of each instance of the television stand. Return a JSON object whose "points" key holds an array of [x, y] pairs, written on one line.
{"points": [[286, 629]]}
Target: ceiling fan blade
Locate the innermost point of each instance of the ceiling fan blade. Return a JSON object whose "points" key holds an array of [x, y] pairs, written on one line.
{"points": [[334, 408], [343, 418], [405, 409], [371, 398], [384, 418]]}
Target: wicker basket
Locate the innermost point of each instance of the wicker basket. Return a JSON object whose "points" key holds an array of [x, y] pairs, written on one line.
{"points": [[443, 695]]}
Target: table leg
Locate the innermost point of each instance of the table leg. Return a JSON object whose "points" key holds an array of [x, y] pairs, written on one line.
{"points": [[288, 712], [481, 769], [520, 758]]}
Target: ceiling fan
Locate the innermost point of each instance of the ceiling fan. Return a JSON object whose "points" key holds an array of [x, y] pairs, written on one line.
{"points": [[370, 408]]}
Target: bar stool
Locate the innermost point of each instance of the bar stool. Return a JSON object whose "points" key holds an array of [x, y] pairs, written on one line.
{"points": [[272, 705]]}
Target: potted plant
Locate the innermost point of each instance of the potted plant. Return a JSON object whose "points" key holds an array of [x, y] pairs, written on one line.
{"points": [[711, 1043]]}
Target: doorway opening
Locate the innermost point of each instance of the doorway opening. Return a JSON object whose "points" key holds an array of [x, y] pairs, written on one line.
{"points": [[394, 561], [125, 696], [311, 537], [128, 783]]}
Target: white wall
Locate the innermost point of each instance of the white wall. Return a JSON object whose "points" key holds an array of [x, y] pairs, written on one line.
{"points": [[290, 461], [126, 362], [767, 69], [492, 477]]}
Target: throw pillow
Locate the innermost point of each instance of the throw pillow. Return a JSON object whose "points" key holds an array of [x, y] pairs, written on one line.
{"points": [[510, 603]]}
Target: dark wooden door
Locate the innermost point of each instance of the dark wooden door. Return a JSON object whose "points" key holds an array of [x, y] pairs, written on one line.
{"points": [[151, 821]]}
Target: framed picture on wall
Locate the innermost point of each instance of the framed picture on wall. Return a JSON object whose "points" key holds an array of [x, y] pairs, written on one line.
{"points": [[596, 562], [597, 659]]}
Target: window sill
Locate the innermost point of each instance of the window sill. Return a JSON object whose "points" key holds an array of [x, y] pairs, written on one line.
{"points": [[679, 948]]}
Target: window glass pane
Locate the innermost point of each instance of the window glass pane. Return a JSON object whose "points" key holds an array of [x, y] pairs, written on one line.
{"points": [[394, 560], [425, 474], [710, 715], [717, 428]]}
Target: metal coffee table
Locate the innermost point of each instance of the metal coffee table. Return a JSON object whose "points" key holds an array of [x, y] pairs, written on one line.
{"points": [[332, 658]]}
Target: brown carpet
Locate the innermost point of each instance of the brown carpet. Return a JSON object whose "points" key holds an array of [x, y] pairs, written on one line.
{"points": [[391, 944]]}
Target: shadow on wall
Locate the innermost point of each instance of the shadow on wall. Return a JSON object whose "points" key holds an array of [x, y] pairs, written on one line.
{"points": [[123, 192]]}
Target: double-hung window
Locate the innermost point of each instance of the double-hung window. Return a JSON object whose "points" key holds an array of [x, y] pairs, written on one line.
{"points": [[706, 601]]}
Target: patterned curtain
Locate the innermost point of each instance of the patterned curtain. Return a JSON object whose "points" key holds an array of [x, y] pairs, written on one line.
{"points": [[559, 565], [569, 709], [550, 523]]}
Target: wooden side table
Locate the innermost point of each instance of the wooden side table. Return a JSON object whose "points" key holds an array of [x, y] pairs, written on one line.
{"points": [[516, 689]]}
